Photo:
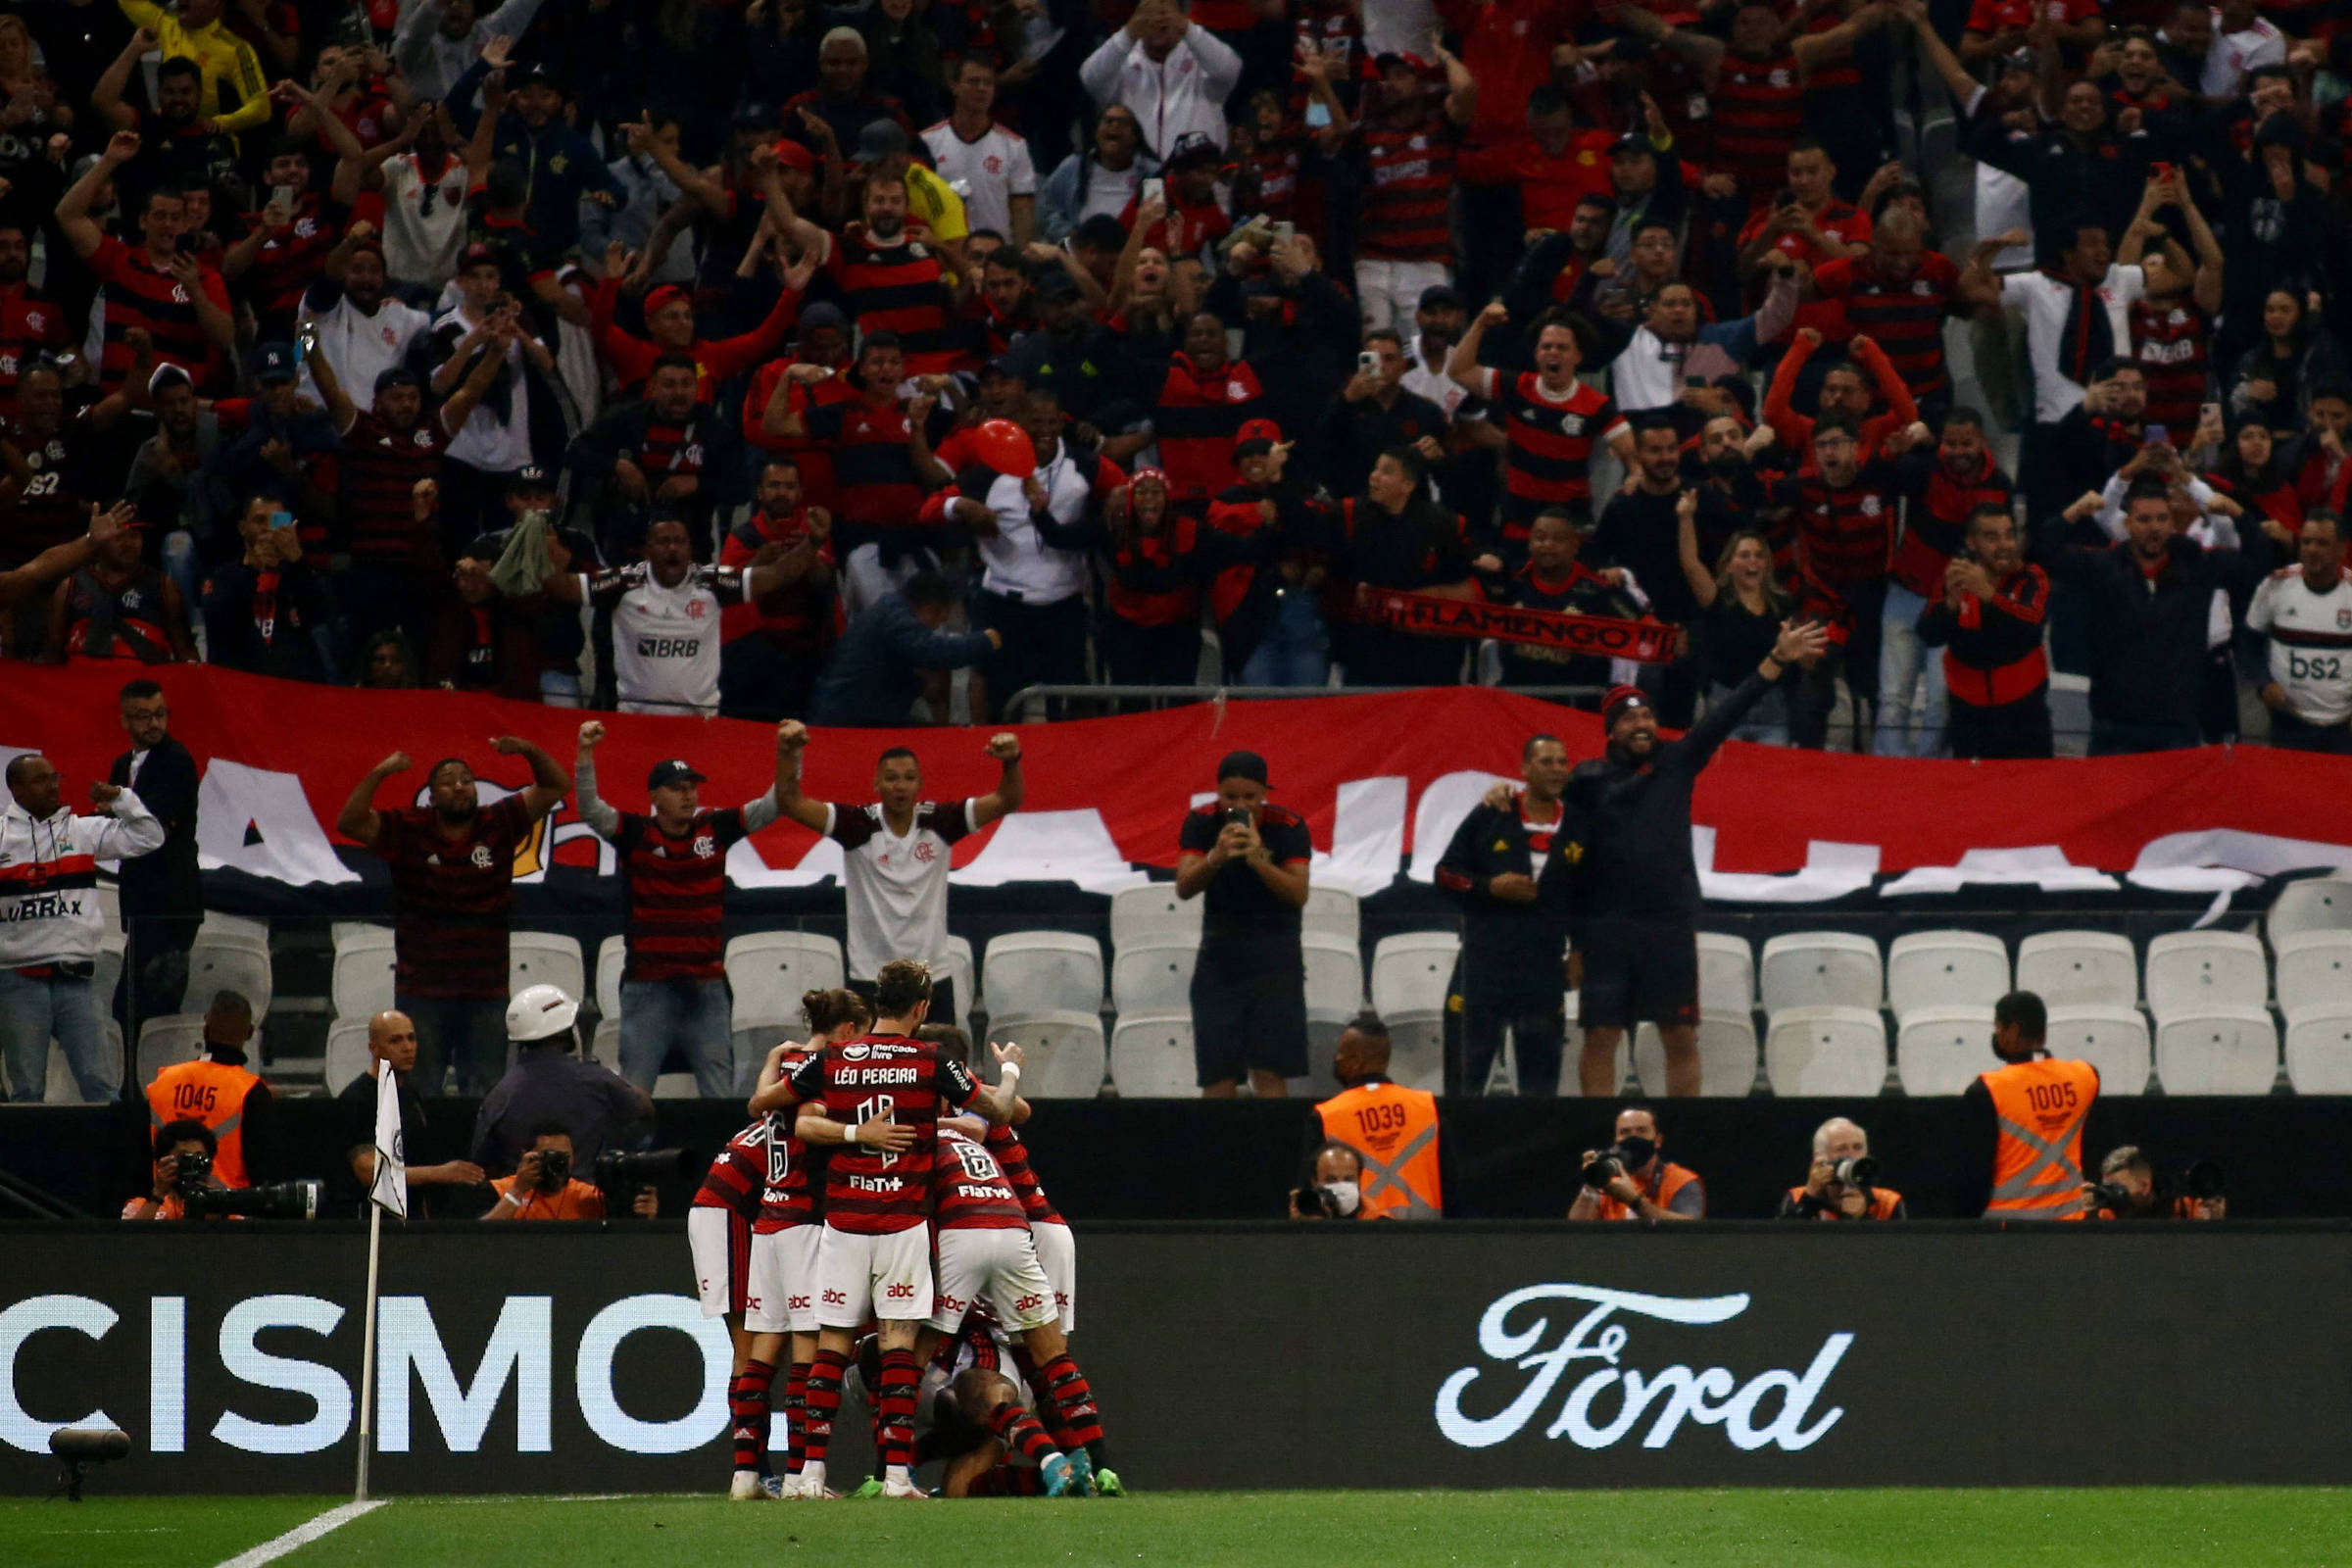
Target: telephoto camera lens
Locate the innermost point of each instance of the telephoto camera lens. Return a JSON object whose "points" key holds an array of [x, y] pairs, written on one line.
{"points": [[1858, 1171], [1605, 1170], [2203, 1181]]}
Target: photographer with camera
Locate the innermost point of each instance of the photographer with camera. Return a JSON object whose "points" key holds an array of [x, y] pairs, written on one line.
{"points": [[1247, 858], [1631, 1179], [1843, 1183], [2127, 1190], [551, 1083], [183, 1164], [543, 1186], [1335, 1188]]}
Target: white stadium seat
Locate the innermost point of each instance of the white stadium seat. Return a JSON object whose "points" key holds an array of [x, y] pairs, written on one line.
{"points": [[1727, 973], [2191, 972], [1941, 1050], [1821, 969], [1152, 913], [1152, 1057], [362, 982], [346, 1053], [1064, 1053], [1945, 969], [2314, 972], [1412, 971], [2112, 1039], [676, 1085], [1726, 1055], [2319, 1050], [174, 1037], [2078, 969], [611, 962], [1153, 975], [2218, 1050], [768, 970], [229, 956], [604, 1048], [1417, 1051], [1335, 975], [1838, 1051], [1024, 973], [1337, 914], [544, 958], [2311, 904], [963, 973]]}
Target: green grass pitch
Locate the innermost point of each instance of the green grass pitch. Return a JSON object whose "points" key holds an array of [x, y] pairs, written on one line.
{"points": [[2236, 1527]]}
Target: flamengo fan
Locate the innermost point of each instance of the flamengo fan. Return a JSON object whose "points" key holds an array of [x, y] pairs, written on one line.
{"points": [[1711, 1397]]}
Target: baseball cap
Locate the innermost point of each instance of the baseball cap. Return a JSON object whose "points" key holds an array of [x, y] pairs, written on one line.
{"points": [[674, 771], [538, 72], [880, 139], [477, 254], [794, 155], [1193, 147], [167, 376], [1441, 297], [1632, 141], [1243, 764], [1054, 282], [824, 314], [1620, 700], [273, 361], [529, 477], [396, 375], [662, 296], [1257, 438]]}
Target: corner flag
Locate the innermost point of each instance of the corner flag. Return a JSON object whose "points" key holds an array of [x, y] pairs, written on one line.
{"points": [[390, 1189]]}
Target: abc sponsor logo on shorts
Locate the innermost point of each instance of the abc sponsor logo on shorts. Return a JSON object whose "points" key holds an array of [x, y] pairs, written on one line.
{"points": [[900, 1291], [1609, 1402], [837, 1299]]}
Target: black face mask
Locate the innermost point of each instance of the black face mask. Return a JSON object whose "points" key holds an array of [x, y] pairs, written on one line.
{"points": [[1636, 1151]]}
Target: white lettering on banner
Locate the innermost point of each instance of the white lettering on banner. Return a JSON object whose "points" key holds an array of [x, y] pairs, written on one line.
{"points": [[288, 845], [166, 1374], [21, 1322], [1687, 1392], [250, 1362], [517, 1352], [594, 1374]]}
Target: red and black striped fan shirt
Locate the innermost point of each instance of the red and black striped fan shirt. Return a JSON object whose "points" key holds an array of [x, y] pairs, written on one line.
{"points": [[868, 1193], [677, 894], [380, 470], [137, 294], [450, 897], [898, 288], [1410, 176]]}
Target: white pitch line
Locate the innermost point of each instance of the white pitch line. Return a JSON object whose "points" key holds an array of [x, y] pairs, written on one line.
{"points": [[302, 1535]]}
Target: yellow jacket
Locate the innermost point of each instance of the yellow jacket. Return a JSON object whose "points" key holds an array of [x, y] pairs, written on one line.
{"points": [[226, 60]]}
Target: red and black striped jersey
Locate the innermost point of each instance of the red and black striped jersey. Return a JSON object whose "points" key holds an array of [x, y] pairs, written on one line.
{"points": [[677, 888], [450, 897], [50, 507], [137, 294], [1549, 457], [968, 1189], [739, 1174], [1904, 317], [869, 1192], [380, 470], [874, 481], [1409, 183], [1838, 75], [1844, 535], [1935, 516], [1012, 1158], [898, 288], [2172, 340], [1995, 656], [795, 1183], [1759, 107], [30, 324], [1198, 416]]}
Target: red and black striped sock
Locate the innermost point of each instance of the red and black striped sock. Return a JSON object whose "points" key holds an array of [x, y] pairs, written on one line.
{"points": [[900, 1376], [1018, 1430], [825, 1403], [1080, 1420], [796, 1416], [1009, 1481], [747, 1403]]}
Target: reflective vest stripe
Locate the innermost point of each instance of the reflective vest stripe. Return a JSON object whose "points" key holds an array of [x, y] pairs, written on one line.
{"points": [[1378, 1174]]}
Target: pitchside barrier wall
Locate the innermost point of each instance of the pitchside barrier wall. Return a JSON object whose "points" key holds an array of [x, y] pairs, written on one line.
{"points": [[573, 1360]]}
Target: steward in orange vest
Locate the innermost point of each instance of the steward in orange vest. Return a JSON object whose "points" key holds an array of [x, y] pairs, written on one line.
{"points": [[216, 1089], [1393, 1129], [2036, 1107]]}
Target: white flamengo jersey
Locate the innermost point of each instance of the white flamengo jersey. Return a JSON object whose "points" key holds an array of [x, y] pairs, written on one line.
{"points": [[665, 640], [2311, 643], [898, 886]]}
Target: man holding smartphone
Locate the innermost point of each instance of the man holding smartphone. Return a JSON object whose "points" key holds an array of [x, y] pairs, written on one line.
{"points": [[1249, 857]]}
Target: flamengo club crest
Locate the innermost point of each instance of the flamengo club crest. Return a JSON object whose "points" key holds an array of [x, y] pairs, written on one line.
{"points": [[1771, 1407]]}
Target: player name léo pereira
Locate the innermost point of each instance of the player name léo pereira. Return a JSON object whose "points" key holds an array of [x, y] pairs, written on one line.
{"points": [[1608, 1402]]}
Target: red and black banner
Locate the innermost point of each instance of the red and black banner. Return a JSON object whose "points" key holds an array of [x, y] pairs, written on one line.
{"points": [[1646, 642]]}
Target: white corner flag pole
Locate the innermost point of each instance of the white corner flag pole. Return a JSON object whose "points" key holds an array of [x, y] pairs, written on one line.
{"points": [[389, 1190]]}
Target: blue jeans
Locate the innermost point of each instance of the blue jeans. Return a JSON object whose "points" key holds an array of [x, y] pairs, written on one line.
{"points": [[561, 688], [32, 1012], [465, 1032], [692, 1015], [1296, 647], [1766, 723], [1902, 659]]}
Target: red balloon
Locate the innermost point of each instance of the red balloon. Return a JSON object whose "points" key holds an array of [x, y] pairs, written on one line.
{"points": [[1004, 447]]}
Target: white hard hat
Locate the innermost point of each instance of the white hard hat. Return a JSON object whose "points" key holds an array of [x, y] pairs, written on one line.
{"points": [[538, 1011]]}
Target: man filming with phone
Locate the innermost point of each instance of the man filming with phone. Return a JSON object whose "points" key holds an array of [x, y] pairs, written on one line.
{"points": [[1841, 1184], [1249, 857]]}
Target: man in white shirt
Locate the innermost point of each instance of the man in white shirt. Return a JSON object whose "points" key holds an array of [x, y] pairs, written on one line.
{"points": [[351, 320], [495, 441], [987, 163], [1173, 74], [1439, 318], [665, 618], [2305, 612], [2241, 40], [898, 852], [436, 40], [424, 201]]}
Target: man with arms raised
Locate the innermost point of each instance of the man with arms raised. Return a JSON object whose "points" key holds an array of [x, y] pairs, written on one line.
{"points": [[896, 852], [875, 1259]]}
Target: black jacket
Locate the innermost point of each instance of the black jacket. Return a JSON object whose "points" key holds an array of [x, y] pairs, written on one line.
{"points": [[2147, 644], [1512, 951], [163, 884], [1636, 864]]}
